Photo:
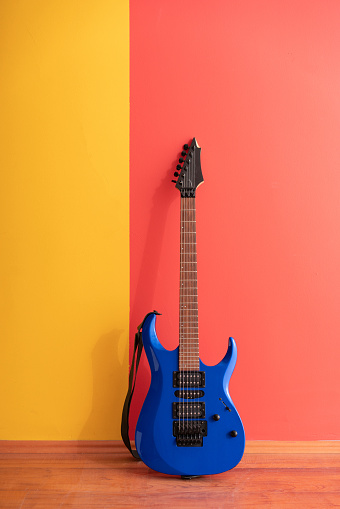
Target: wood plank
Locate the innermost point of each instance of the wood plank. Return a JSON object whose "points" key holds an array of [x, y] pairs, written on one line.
{"points": [[90, 475], [308, 447], [180, 499]]}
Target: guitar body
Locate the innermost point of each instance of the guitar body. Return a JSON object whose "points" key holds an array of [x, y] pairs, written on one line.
{"points": [[222, 437]]}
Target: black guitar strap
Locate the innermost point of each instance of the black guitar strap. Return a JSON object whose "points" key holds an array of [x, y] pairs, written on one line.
{"points": [[137, 352]]}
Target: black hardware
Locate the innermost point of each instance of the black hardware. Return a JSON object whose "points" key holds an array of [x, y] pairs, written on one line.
{"points": [[226, 407], [190, 433], [188, 379], [188, 410], [189, 394]]}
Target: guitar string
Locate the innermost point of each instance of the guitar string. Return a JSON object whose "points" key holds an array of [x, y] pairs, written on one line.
{"points": [[180, 316], [192, 285], [186, 227], [188, 284], [185, 285], [195, 298], [185, 312], [181, 313], [190, 277], [188, 292], [183, 303], [196, 323]]}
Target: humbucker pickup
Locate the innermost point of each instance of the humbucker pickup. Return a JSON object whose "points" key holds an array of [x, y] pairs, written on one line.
{"points": [[188, 379], [188, 410], [189, 394]]}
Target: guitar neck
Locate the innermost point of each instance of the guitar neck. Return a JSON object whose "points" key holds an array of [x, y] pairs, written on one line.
{"points": [[188, 305]]}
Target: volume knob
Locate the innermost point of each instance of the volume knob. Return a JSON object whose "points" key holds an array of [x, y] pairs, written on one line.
{"points": [[233, 433], [216, 417]]}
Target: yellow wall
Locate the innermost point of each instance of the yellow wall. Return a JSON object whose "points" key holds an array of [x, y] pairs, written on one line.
{"points": [[64, 162]]}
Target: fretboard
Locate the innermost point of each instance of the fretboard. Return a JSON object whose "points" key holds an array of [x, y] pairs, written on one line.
{"points": [[188, 308]]}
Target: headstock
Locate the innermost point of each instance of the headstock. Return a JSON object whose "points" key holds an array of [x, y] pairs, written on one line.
{"points": [[190, 174]]}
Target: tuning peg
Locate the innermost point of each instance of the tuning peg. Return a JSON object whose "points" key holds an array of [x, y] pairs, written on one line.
{"points": [[183, 153], [181, 160], [186, 146], [176, 173], [179, 167]]}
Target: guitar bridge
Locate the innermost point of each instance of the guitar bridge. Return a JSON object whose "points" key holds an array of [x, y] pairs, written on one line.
{"points": [[190, 433]]}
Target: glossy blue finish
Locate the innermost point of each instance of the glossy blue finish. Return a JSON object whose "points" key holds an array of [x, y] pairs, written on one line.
{"points": [[154, 438]]}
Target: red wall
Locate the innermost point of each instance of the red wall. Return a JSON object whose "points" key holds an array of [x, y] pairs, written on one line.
{"points": [[257, 83]]}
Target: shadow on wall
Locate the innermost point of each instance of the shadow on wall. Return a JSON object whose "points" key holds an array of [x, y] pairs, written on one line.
{"points": [[109, 362], [144, 283]]}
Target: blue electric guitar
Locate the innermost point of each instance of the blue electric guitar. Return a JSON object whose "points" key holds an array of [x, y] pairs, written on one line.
{"points": [[188, 424]]}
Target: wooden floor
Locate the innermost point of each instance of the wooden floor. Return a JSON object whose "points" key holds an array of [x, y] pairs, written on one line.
{"points": [[99, 475]]}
